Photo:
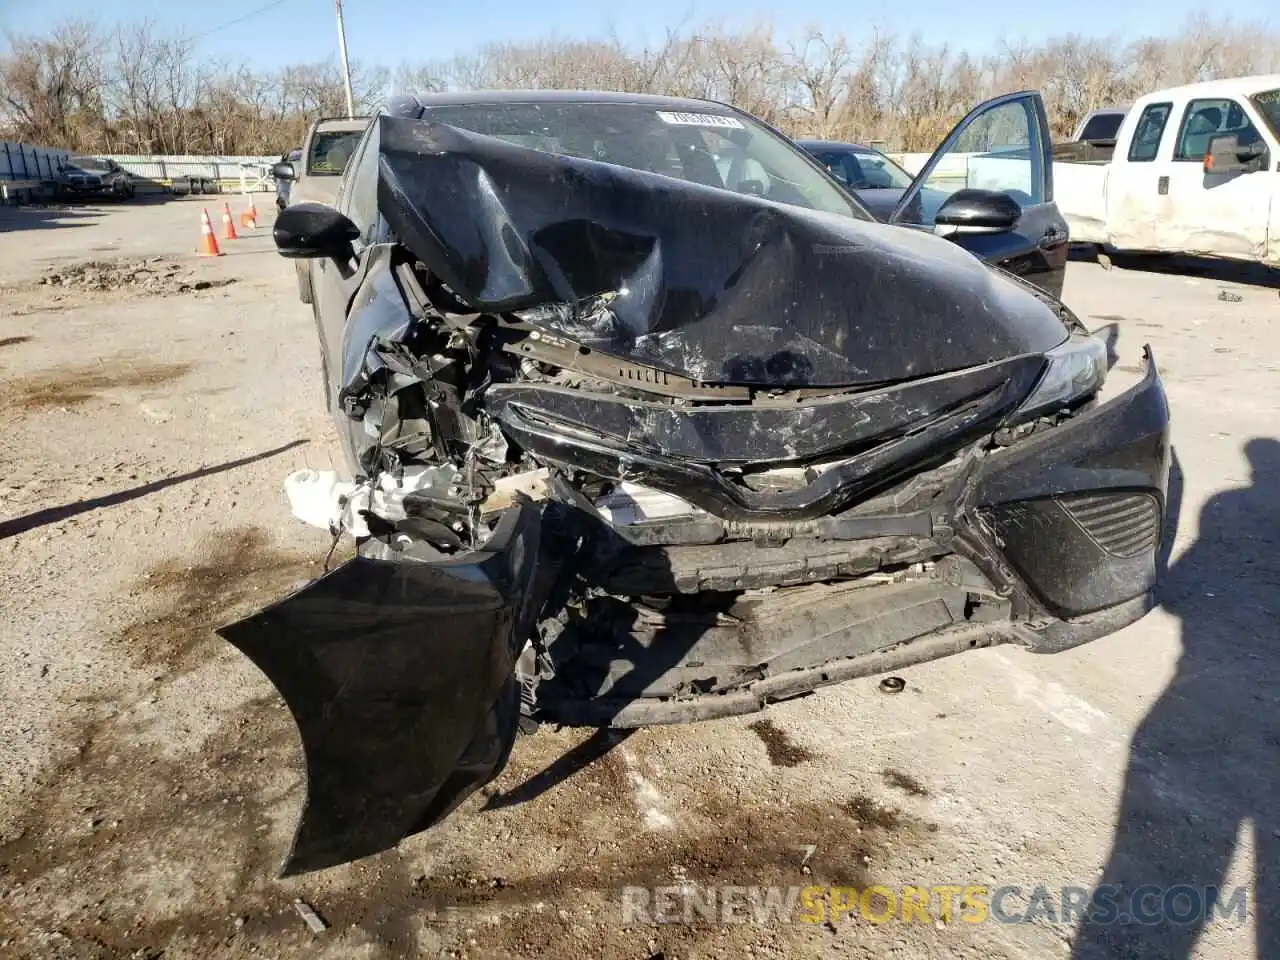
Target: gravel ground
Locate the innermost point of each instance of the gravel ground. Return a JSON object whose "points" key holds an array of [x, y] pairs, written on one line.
{"points": [[150, 779]]}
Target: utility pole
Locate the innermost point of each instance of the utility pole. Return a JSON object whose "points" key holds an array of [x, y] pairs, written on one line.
{"points": [[346, 66]]}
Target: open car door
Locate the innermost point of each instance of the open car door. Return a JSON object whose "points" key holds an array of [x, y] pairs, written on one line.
{"points": [[399, 675], [989, 188]]}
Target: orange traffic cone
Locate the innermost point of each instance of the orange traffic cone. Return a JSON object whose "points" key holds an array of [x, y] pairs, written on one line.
{"points": [[228, 225], [208, 242], [249, 219]]}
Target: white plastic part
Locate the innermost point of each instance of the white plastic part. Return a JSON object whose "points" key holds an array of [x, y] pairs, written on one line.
{"points": [[630, 503], [319, 498]]}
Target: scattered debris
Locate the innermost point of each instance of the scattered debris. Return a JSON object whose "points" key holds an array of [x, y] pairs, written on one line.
{"points": [[892, 685], [782, 750], [1229, 297], [904, 782], [866, 811], [157, 276], [314, 923]]}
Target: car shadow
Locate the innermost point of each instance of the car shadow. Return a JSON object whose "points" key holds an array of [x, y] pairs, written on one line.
{"points": [[1204, 764], [1204, 268], [31, 521], [38, 217]]}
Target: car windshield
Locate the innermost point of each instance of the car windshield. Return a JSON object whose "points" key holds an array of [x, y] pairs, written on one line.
{"points": [[1268, 104], [89, 164], [863, 169], [1103, 126], [330, 151], [713, 147]]}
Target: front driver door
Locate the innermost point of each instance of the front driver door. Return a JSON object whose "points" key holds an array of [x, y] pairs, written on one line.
{"points": [[1004, 145]]}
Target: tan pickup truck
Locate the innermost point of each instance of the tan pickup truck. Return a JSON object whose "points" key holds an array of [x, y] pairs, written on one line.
{"points": [[318, 173]]}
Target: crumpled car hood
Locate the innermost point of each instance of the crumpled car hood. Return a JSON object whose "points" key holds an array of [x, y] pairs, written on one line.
{"points": [[715, 285]]}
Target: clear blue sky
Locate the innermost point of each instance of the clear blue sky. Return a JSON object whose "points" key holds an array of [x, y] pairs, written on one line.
{"points": [[395, 31]]}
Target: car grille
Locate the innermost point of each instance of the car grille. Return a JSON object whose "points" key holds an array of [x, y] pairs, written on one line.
{"points": [[1123, 524]]}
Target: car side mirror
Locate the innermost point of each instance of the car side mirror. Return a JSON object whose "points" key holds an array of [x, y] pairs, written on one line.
{"points": [[284, 171], [977, 211], [1225, 155], [314, 230]]}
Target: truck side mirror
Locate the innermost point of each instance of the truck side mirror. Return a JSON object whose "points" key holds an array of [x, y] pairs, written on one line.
{"points": [[1225, 155], [284, 171]]}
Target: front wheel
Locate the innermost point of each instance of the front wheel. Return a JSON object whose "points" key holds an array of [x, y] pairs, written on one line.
{"points": [[304, 282]]}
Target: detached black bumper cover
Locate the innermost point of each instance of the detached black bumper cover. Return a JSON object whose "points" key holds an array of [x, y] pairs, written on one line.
{"points": [[399, 675]]}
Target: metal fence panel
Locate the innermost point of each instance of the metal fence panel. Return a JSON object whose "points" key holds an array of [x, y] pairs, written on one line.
{"points": [[23, 161]]}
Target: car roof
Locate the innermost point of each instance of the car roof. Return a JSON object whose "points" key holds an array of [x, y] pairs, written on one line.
{"points": [[343, 124], [1230, 86], [836, 145], [685, 104]]}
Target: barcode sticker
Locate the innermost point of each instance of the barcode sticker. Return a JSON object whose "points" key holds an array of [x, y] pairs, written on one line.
{"points": [[700, 120]]}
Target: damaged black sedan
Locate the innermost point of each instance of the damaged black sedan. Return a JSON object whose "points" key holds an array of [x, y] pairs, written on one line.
{"points": [[649, 421]]}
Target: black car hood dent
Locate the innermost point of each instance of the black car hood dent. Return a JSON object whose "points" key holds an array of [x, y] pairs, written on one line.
{"points": [[705, 282]]}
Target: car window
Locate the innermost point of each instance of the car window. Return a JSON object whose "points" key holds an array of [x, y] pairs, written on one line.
{"points": [[1205, 119], [1148, 131], [1268, 104], [881, 173], [331, 151], [359, 196], [727, 151], [999, 150], [863, 169], [1103, 126]]}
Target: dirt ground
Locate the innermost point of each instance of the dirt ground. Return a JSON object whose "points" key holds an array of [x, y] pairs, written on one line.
{"points": [[150, 778]]}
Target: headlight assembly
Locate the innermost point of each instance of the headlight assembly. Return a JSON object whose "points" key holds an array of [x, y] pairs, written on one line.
{"points": [[1076, 371]]}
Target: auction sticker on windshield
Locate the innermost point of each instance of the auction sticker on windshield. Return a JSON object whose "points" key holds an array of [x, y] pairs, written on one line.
{"points": [[699, 120]]}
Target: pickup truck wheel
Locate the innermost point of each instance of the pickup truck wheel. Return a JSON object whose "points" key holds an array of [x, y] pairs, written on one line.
{"points": [[304, 283]]}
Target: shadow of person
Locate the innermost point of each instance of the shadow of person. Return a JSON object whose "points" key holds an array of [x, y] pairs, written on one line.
{"points": [[1204, 765]]}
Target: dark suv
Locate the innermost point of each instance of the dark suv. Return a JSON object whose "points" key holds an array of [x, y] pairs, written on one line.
{"points": [[92, 177]]}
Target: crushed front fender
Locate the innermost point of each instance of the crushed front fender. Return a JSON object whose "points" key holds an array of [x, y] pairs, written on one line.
{"points": [[399, 675]]}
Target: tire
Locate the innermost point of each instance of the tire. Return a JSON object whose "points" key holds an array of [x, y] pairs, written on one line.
{"points": [[304, 282]]}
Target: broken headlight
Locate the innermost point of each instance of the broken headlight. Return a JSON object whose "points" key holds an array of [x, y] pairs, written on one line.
{"points": [[1076, 370]]}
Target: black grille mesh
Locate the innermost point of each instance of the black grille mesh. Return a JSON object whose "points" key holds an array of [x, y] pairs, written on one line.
{"points": [[1123, 524]]}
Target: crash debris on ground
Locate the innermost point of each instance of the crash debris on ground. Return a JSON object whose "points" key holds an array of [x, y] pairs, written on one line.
{"points": [[152, 276]]}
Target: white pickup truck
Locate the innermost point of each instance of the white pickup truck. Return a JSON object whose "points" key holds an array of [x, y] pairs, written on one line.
{"points": [[1196, 171]]}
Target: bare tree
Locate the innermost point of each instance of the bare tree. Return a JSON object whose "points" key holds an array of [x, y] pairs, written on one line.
{"points": [[142, 89], [50, 86]]}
